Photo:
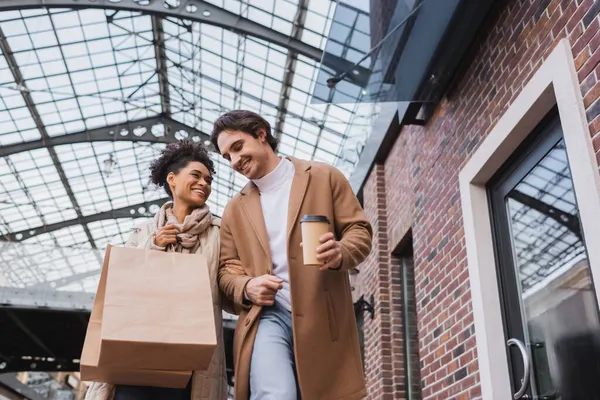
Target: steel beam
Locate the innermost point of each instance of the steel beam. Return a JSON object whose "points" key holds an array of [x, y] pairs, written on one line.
{"points": [[570, 221], [290, 67], [18, 78], [29, 298], [132, 211], [161, 64], [253, 97], [132, 131], [58, 283], [10, 381], [204, 12]]}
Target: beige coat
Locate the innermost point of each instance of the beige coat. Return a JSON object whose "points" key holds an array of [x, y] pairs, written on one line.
{"points": [[212, 383], [327, 352]]}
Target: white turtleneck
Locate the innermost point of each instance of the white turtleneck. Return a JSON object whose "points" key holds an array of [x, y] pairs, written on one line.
{"points": [[275, 189]]}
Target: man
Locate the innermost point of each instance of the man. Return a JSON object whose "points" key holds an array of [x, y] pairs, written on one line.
{"points": [[296, 334]]}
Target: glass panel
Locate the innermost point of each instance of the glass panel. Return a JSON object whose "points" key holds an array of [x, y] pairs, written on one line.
{"points": [[559, 306], [90, 68]]}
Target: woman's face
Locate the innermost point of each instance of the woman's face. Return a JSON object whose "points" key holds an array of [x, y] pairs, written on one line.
{"points": [[191, 185]]}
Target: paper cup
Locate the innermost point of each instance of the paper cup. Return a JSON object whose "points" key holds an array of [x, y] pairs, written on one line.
{"points": [[313, 227]]}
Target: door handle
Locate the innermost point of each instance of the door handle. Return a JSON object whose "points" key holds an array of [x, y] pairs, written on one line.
{"points": [[526, 367]]}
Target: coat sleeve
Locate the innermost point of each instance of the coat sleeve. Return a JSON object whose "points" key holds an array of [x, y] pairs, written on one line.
{"points": [[232, 277], [142, 236], [100, 391], [226, 303], [352, 228], [133, 239]]}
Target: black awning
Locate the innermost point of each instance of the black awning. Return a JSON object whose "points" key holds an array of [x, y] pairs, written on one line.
{"points": [[414, 60]]}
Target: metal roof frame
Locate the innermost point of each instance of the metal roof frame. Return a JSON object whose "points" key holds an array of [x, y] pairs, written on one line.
{"points": [[165, 121], [131, 131], [18, 77], [290, 67], [199, 11], [132, 211]]}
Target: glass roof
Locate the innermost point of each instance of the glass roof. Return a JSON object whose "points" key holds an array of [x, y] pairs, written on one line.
{"points": [[90, 68]]}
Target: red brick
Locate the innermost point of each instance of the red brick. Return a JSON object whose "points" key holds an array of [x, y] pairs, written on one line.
{"points": [[575, 17], [475, 392], [417, 188], [592, 95], [596, 139], [584, 39], [581, 59]]}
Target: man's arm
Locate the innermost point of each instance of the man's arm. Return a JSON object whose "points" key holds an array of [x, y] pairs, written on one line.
{"points": [[244, 290], [232, 277], [353, 230]]}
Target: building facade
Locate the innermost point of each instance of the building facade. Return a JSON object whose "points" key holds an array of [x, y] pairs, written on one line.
{"points": [[485, 219]]}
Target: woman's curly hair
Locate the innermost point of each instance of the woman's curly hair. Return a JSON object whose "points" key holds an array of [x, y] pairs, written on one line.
{"points": [[176, 156]]}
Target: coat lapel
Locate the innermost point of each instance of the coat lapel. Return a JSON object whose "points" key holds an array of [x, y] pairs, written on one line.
{"points": [[298, 192], [253, 210]]}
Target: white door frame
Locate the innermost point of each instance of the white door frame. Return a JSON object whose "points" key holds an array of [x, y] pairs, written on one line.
{"points": [[554, 84]]}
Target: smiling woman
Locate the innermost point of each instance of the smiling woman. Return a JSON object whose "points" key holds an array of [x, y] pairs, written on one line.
{"points": [[185, 225], [185, 171]]}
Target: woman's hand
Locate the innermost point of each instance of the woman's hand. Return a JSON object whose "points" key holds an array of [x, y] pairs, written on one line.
{"points": [[166, 235]]}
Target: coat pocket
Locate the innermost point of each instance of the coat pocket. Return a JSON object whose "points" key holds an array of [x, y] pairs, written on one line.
{"points": [[333, 328]]}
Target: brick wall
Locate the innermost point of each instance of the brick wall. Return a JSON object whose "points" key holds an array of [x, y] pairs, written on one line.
{"points": [[417, 189], [374, 278]]}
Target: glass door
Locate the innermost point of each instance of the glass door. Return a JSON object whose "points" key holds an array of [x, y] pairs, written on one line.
{"points": [[550, 309]]}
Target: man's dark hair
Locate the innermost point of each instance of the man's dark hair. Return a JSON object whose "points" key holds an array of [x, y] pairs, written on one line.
{"points": [[242, 120], [176, 156]]}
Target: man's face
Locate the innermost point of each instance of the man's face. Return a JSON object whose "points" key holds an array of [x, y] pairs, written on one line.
{"points": [[246, 154]]}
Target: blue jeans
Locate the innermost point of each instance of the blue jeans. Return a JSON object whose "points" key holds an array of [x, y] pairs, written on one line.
{"points": [[272, 367]]}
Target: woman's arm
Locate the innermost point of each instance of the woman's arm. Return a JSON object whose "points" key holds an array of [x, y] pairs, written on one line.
{"points": [[232, 278], [147, 241], [132, 241], [100, 391]]}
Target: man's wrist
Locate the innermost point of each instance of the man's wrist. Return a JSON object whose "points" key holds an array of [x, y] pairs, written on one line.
{"points": [[339, 266], [246, 298]]}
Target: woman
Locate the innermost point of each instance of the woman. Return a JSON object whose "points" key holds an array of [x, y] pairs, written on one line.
{"points": [[185, 224]]}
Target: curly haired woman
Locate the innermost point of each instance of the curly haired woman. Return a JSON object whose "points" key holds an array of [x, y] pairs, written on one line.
{"points": [[185, 225]]}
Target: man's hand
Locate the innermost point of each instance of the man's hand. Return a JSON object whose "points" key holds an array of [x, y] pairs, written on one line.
{"points": [[329, 252], [166, 235], [262, 289]]}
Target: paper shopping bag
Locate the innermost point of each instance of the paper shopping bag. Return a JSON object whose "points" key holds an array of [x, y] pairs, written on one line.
{"points": [[91, 372], [158, 311]]}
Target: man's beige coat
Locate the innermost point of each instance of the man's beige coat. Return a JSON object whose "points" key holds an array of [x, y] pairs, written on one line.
{"points": [[327, 352]]}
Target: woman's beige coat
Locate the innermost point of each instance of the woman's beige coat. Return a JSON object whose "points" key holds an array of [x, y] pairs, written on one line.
{"points": [[212, 383]]}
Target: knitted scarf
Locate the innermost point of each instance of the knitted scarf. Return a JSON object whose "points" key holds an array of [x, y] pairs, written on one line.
{"points": [[189, 231]]}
